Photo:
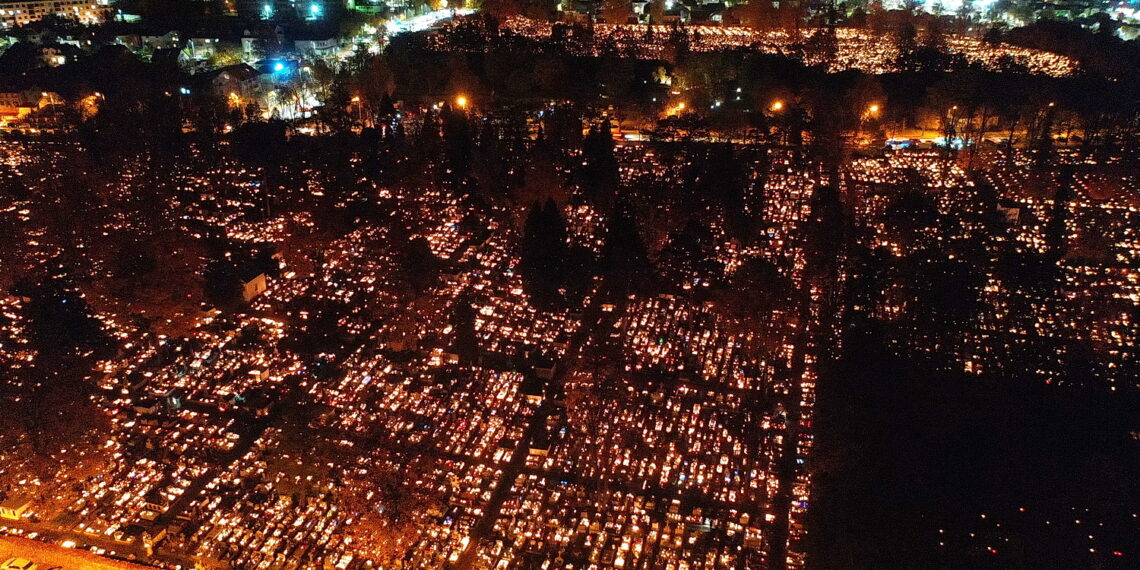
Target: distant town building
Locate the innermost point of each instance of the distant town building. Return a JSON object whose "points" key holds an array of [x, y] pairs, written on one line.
{"points": [[240, 80], [320, 45], [202, 47], [166, 40], [52, 56], [21, 12], [373, 6], [17, 105]]}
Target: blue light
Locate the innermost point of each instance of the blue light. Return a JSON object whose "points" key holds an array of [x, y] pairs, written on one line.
{"points": [[279, 66], [315, 9]]}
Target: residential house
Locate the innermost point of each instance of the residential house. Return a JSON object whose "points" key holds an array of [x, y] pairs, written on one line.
{"points": [[317, 44], [17, 105], [241, 80], [154, 40]]}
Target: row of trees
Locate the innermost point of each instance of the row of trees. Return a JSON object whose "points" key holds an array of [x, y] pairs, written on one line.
{"points": [[727, 90]]}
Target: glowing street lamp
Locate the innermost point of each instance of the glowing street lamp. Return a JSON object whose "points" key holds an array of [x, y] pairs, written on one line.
{"points": [[777, 106], [461, 101], [871, 113]]}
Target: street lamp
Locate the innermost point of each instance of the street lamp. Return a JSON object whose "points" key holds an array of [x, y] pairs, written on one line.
{"points": [[777, 106], [871, 112], [461, 101]]}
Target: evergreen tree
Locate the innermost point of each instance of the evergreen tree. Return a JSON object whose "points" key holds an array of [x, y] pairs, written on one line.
{"points": [[599, 171], [1056, 232], [466, 344], [457, 143], [545, 263], [60, 326], [625, 263]]}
